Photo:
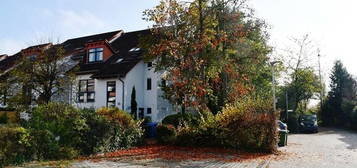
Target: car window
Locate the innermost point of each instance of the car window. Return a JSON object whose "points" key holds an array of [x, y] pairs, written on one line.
{"points": [[308, 117]]}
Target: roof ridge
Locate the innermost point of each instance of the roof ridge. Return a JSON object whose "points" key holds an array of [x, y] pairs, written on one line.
{"points": [[95, 34]]}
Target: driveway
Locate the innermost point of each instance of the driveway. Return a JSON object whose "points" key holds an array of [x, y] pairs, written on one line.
{"points": [[330, 148]]}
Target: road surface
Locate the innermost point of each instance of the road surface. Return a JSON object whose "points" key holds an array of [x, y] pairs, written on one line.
{"points": [[330, 148]]}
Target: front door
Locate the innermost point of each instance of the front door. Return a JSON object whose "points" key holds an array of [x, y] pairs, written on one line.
{"points": [[141, 113]]}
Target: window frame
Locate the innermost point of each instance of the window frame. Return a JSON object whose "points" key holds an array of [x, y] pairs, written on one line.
{"points": [[111, 83], [96, 53], [149, 110], [86, 92]]}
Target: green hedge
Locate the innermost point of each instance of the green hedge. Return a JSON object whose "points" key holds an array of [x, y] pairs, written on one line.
{"points": [[14, 142], [166, 133], [179, 118], [61, 131], [123, 130], [249, 124], [56, 127]]}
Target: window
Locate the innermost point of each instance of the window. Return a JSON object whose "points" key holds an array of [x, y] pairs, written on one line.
{"points": [[149, 64], [148, 111], [148, 83], [81, 97], [111, 94], [95, 55], [86, 91], [33, 57]]}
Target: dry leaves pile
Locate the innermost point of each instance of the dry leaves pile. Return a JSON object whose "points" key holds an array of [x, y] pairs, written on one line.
{"points": [[176, 153]]}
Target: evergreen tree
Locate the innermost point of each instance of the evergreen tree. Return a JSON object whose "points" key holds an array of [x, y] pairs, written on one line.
{"points": [[340, 100], [134, 104]]}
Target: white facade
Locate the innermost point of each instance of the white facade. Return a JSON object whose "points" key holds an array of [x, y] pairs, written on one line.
{"points": [[137, 77]]}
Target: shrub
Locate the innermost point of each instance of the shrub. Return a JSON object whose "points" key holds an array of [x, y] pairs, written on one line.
{"points": [[166, 133], [206, 134], [177, 119], [98, 127], [55, 126], [249, 124], [4, 118], [14, 142], [122, 132]]}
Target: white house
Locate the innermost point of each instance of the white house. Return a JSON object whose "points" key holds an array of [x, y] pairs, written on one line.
{"points": [[108, 66]]}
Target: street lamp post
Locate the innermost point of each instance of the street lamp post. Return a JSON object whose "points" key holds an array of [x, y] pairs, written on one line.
{"points": [[321, 86]]}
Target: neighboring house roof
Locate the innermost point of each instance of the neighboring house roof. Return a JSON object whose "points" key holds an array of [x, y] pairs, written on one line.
{"points": [[76, 44], [2, 57], [10, 61], [40, 46], [126, 58], [124, 45]]}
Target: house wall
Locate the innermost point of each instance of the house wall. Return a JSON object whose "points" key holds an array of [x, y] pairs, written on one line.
{"points": [[134, 78], [100, 88], [153, 99], [137, 77], [150, 96]]}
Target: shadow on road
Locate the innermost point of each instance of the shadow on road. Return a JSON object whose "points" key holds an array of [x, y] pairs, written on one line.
{"points": [[346, 136]]}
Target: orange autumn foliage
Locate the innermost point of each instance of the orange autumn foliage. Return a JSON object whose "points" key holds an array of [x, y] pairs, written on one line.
{"points": [[176, 153]]}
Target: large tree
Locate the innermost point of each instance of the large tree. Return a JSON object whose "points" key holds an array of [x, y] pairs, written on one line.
{"points": [[210, 50], [41, 76], [341, 98], [301, 80]]}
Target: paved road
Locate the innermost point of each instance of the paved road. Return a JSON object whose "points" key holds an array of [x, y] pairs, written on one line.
{"points": [[330, 148], [158, 163]]}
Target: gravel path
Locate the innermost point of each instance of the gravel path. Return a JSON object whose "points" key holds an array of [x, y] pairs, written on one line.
{"points": [[330, 148]]}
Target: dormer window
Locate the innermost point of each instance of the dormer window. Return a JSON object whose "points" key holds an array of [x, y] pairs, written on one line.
{"points": [[32, 57], [95, 55]]}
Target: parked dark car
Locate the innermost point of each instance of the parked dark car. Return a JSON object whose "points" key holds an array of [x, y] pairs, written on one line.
{"points": [[308, 123]]}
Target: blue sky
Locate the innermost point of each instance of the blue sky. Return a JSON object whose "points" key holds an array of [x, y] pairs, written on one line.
{"points": [[29, 22], [330, 23]]}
